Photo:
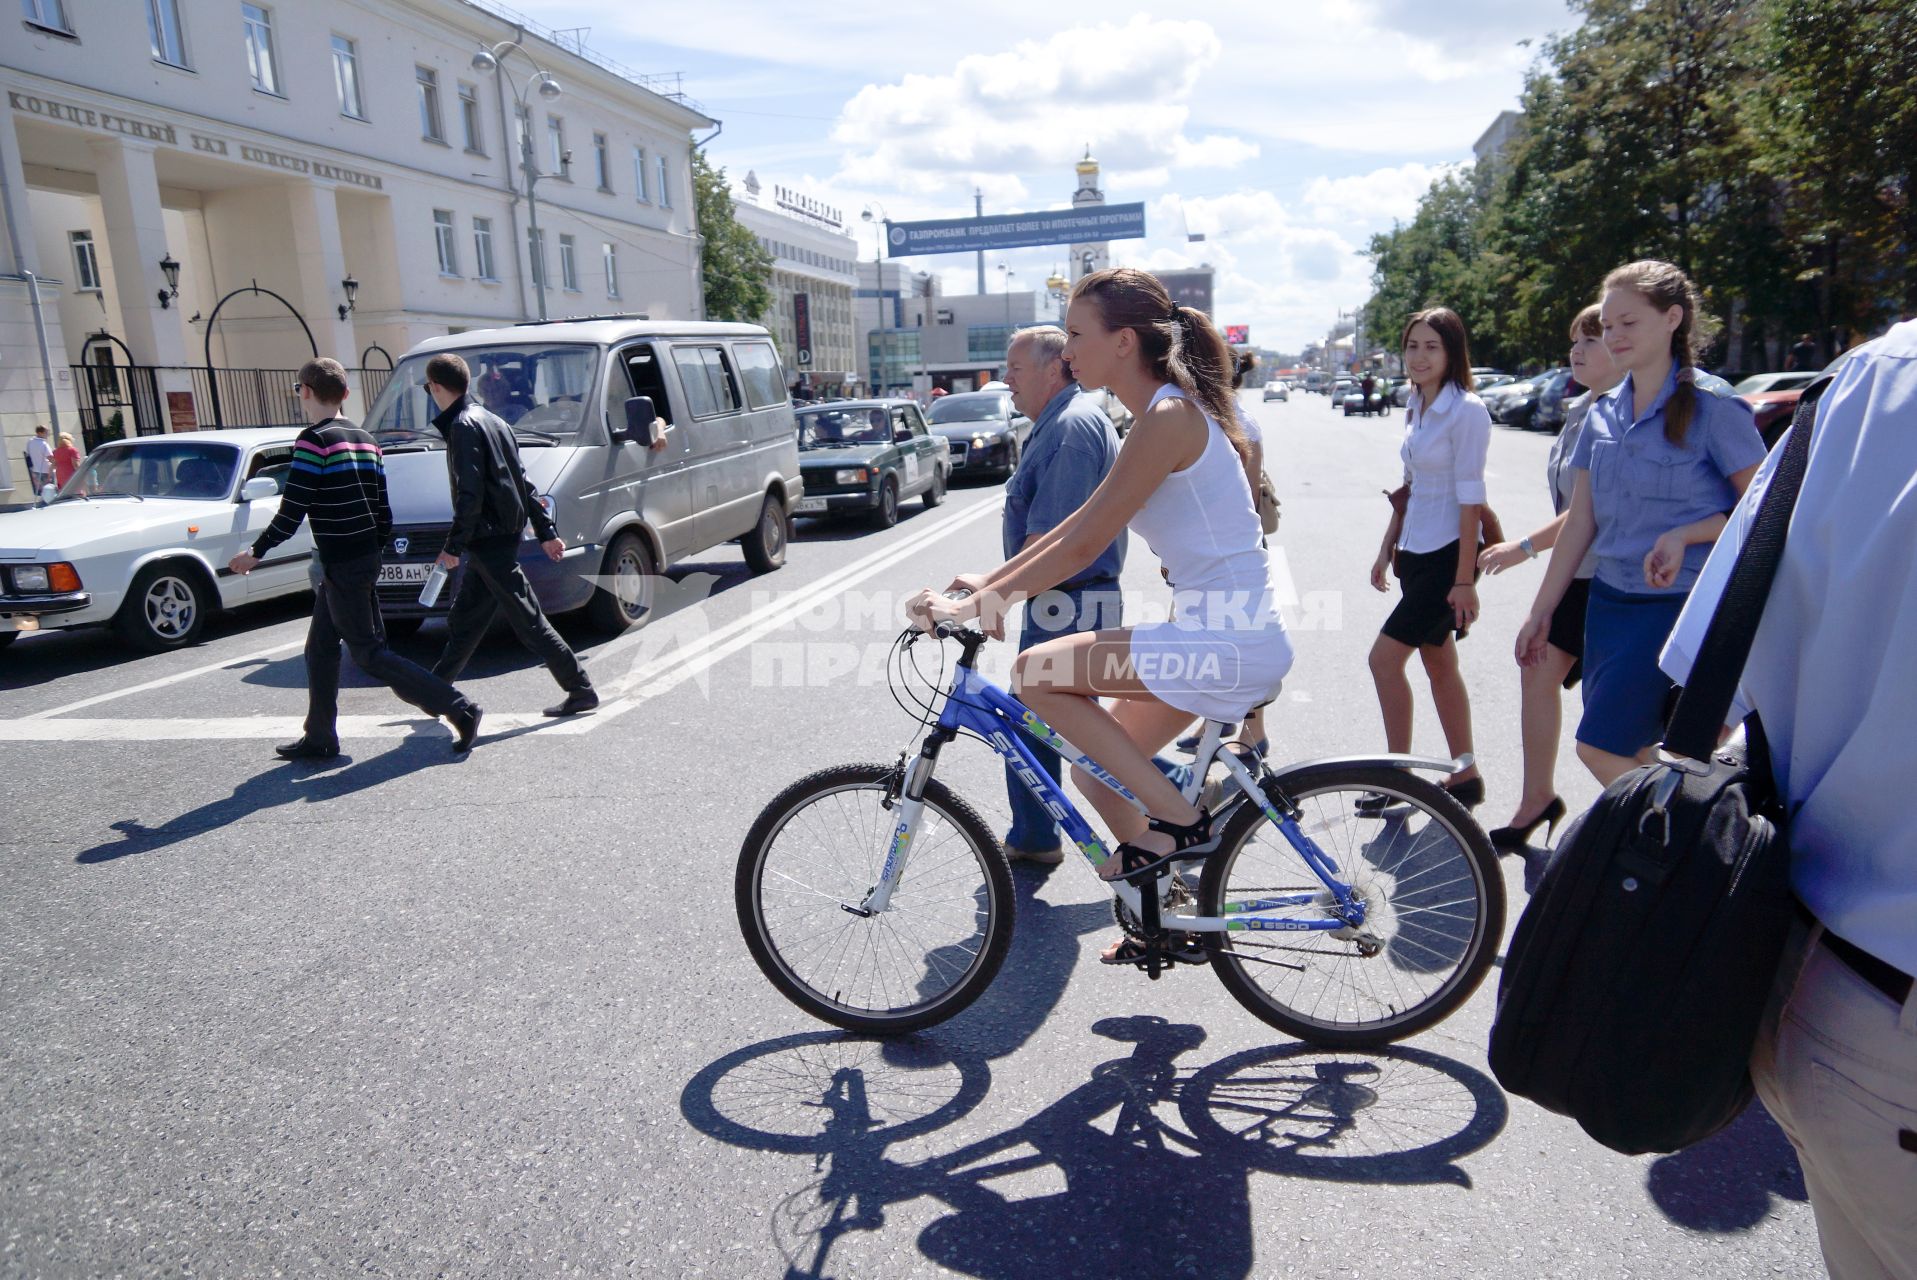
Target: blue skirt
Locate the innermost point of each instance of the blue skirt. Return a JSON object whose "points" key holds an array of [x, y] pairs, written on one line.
{"points": [[1625, 694]]}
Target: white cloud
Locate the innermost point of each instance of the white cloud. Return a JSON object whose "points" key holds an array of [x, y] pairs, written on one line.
{"points": [[1383, 195], [1121, 89]]}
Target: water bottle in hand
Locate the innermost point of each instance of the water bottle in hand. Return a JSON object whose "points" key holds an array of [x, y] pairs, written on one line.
{"points": [[435, 583]]}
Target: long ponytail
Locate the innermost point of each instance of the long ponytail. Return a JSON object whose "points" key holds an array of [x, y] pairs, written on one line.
{"points": [[1179, 344]]}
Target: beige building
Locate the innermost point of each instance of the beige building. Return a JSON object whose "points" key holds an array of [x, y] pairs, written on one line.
{"points": [[192, 187], [813, 277]]}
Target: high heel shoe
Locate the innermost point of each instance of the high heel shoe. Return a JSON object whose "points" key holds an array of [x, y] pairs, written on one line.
{"points": [[1469, 793], [1518, 836]]}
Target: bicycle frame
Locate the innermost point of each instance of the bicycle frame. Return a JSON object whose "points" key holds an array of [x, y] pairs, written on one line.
{"points": [[976, 704]]}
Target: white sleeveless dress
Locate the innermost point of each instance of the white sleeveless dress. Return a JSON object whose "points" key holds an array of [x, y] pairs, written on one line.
{"points": [[1224, 649]]}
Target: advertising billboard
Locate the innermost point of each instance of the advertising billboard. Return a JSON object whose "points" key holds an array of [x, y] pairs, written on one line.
{"points": [[1189, 288], [1238, 335], [1094, 224], [802, 326]]}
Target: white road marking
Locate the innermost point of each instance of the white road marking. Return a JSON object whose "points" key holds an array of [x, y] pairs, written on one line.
{"points": [[621, 695], [164, 681]]}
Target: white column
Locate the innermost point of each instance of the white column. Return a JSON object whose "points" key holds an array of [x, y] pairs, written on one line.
{"points": [[24, 382], [319, 266], [136, 241]]}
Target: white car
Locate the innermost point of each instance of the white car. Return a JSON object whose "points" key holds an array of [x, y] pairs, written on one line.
{"points": [[141, 536], [1277, 391]]}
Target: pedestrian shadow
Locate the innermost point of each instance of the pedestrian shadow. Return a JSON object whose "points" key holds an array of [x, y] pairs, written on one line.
{"points": [[1145, 1167], [1730, 1181], [294, 782]]}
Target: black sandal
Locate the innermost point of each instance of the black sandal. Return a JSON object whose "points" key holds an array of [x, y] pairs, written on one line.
{"points": [[1136, 864], [1184, 948]]}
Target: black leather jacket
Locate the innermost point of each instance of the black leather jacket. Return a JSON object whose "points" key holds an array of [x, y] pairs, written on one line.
{"points": [[491, 497]]}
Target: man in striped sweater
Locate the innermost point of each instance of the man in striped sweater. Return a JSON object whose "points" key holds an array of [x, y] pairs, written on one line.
{"points": [[338, 483]]}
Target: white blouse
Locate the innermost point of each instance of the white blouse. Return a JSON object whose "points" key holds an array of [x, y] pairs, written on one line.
{"points": [[1444, 450]]}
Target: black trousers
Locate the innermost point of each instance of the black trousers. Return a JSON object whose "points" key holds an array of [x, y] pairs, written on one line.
{"points": [[346, 610], [494, 582]]}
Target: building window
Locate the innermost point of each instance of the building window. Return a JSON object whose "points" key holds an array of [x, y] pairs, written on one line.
{"points": [[665, 191], [51, 14], [639, 173], [601, 164], [522, 129], [610, 253], [163, 31], [469, 119], [483, 248], [536, 248], [429, 124], [346, 78], [556, 135], [568, 264], [443, 237], [260, 66], [86, 263]]}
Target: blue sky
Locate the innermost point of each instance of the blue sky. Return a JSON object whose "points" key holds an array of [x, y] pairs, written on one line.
{"points": [[1285, 133]]}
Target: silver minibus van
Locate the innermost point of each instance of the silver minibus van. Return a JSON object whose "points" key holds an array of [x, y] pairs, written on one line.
{"points": [[629, 497]]}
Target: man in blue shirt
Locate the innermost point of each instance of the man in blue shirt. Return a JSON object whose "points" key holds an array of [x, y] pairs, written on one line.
{"points": [[1071, 448], [1831, 676]]}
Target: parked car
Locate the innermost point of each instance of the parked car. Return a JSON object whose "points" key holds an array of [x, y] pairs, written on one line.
{"points": [[867, 456], [983, 431], [1340, 388], [1121, 417], [140, 537], [1549, 415], [582, 397], [1773, 399], [1515, 403], [1490, 381], [1277, 391]]}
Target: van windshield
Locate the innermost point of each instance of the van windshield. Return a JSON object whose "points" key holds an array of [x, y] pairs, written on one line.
{"points": [[540, 389]]}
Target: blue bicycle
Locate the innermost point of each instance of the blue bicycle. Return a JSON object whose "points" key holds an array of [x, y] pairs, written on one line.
{"points": [[877, 900]]}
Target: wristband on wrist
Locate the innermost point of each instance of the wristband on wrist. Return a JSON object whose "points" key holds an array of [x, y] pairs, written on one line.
{"points": [[1472, 585], [1530, 552]]}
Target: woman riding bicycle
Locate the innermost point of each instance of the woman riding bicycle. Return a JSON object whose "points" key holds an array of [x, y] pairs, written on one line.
{"points": [[1179, 481]]}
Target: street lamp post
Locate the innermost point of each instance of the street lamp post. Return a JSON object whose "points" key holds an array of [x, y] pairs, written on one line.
{"points": [[878, 285], [490, 59], [1058, 288], [1008, 275]]}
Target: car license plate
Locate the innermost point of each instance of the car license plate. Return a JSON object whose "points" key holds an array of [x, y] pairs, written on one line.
{"points": [[807, 506], [405, 575], [19, 622]]}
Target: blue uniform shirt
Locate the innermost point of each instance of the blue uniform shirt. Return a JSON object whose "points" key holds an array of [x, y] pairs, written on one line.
{"points": [[1643, 486], [1070, 451], [1831, 671]]}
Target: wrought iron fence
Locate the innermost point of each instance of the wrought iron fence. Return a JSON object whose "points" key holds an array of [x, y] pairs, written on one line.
{"points": [[118, 400]]}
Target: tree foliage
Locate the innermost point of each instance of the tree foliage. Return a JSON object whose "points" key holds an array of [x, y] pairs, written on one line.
{"points": [[1765, 146], [735, 268]]}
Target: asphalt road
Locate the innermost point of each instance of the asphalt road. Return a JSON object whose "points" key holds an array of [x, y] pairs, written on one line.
{"points": [[415, 1015]]}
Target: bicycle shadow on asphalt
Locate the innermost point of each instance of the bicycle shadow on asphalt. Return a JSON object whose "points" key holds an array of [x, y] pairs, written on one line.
{"points": [[1156, 1158], [292, 782]]}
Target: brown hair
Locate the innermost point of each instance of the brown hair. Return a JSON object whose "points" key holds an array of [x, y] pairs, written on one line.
{"points": [[1457, 346], [449, 370], [1247, 361], [1587, 324], [1665, 286], [325, 378], [1180, 344]]}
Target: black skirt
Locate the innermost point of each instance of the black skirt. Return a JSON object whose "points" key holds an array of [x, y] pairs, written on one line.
{"points": [[1567, 626], [1424, 615]]}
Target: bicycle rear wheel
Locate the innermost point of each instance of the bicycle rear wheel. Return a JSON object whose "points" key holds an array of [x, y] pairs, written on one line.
{"points": [[1433, 895], [816, 851]]}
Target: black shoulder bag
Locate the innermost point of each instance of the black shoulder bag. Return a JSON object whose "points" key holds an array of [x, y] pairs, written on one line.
{"points": [[1641, 967]]}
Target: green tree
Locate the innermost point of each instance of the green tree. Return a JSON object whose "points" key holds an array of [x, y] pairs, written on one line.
{"points": [[1837, 123], [736, 269]]}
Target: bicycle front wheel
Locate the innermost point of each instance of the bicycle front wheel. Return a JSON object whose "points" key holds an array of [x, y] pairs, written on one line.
{"points": [[814, 854], [1434, 908]]}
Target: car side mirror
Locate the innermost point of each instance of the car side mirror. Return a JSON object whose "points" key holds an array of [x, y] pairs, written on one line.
{"points": [[257, 488], [640, 417]]}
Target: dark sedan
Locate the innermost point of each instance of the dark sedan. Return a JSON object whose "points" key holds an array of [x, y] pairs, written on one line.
{"points": [[982, 431], [865, 456]]}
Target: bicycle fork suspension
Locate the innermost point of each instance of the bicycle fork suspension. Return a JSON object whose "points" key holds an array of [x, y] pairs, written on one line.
{"points": [[911, 809]]}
